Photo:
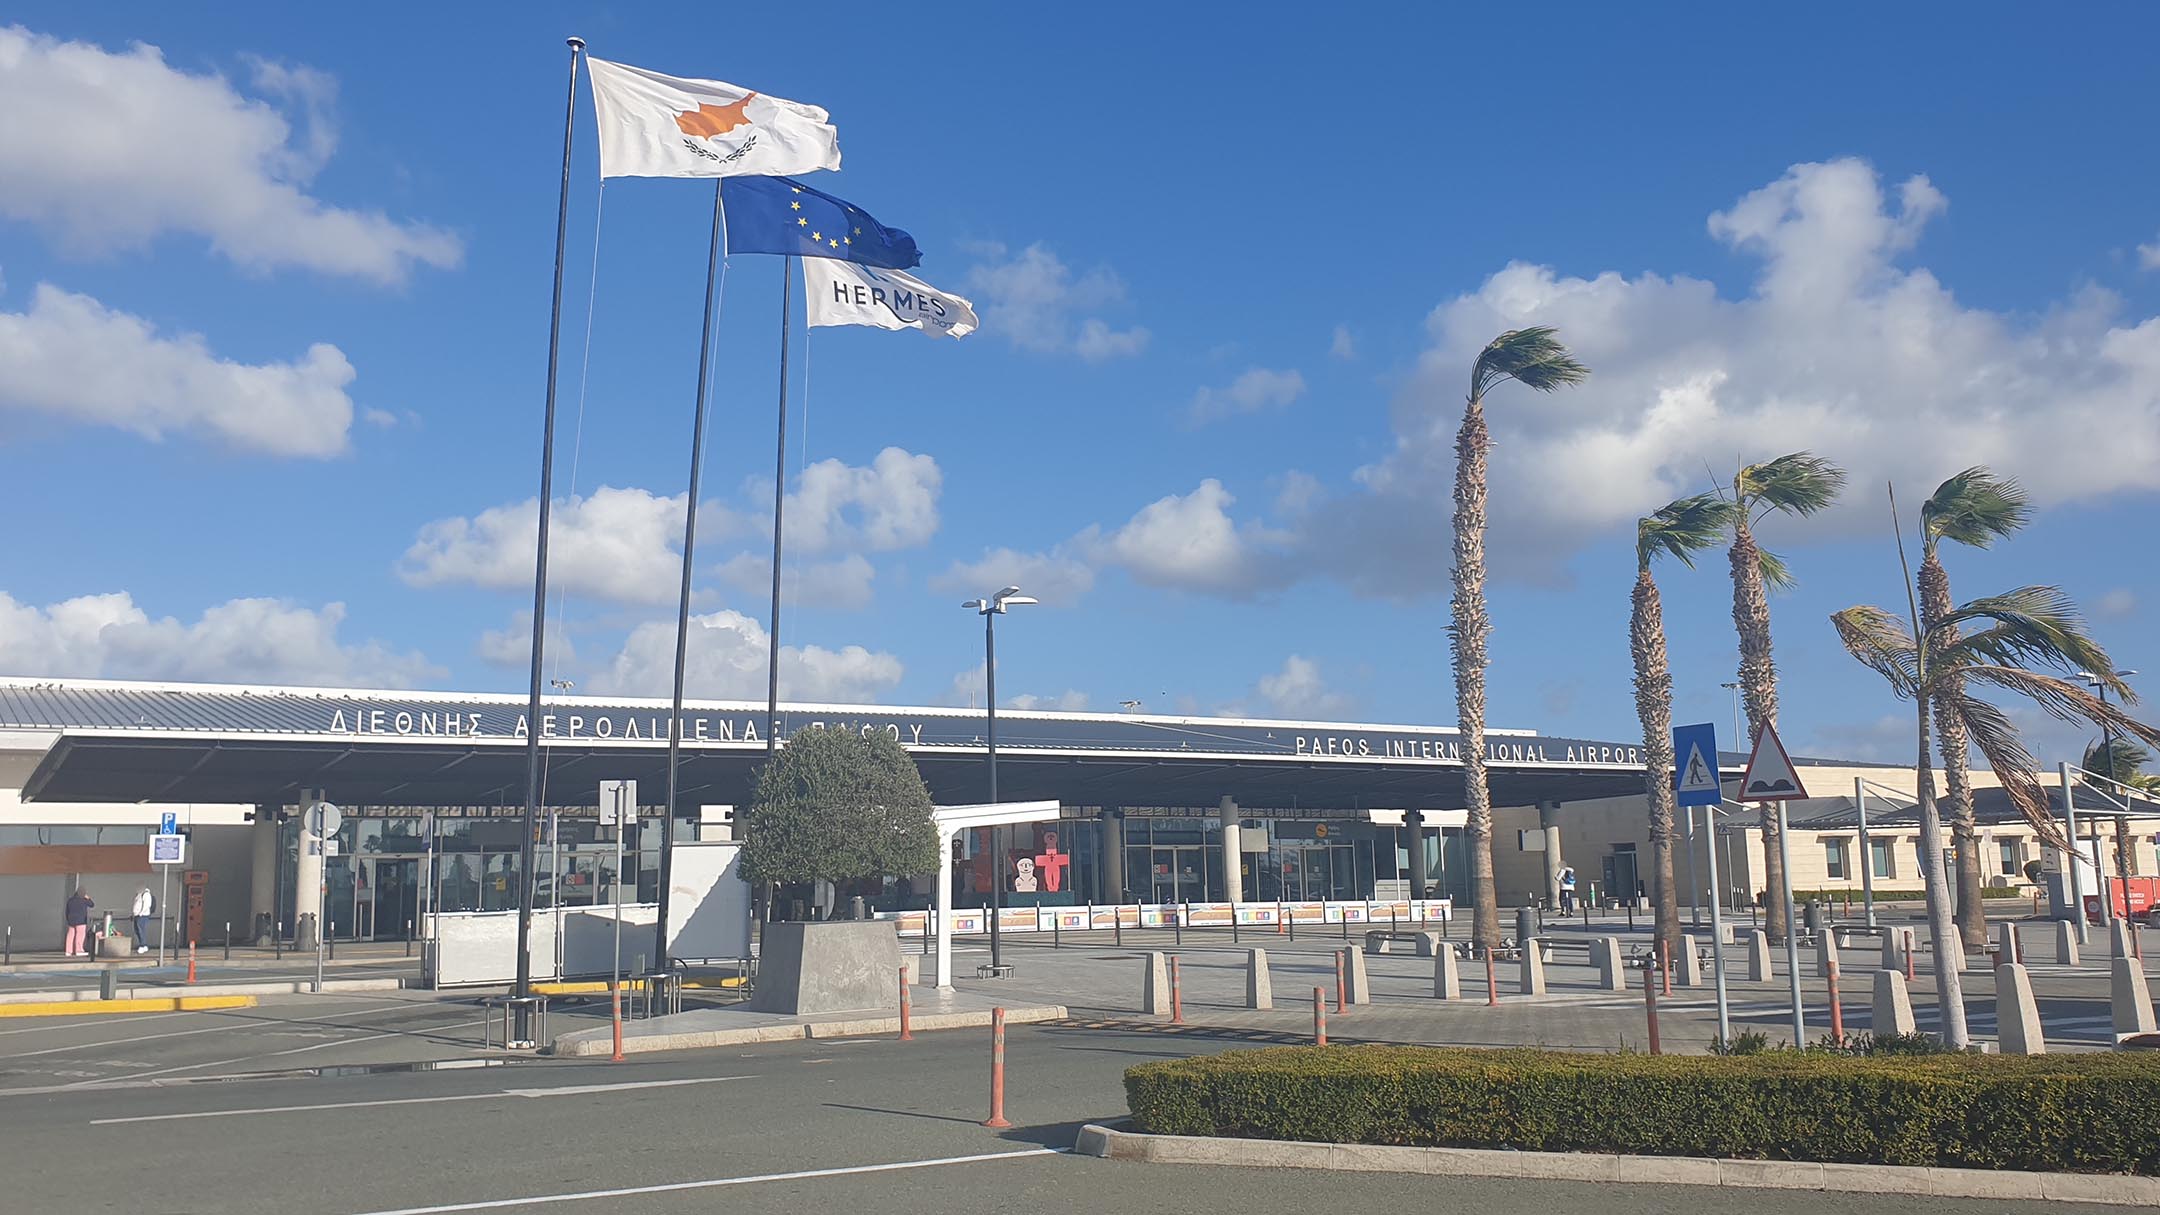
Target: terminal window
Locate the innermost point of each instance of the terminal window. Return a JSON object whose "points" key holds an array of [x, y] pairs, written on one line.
{"points": [[1881, 859], [1835, 862]]}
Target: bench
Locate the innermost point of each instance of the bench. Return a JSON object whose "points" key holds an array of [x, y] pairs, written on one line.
{"points": [[1383, 940]]}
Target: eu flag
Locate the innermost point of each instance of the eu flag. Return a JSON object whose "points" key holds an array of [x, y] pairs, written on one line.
{"points": [[781, 215]]}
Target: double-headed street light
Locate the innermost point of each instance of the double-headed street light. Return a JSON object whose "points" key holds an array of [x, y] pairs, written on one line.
{"points": [[990, 609]]}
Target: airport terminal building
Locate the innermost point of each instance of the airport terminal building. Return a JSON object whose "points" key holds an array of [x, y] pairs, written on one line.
{"points": [[1153, 809]]}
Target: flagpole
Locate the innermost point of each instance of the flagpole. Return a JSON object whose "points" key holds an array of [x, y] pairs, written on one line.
{"points": [[779, 502], [523, 986], [682, 606]]}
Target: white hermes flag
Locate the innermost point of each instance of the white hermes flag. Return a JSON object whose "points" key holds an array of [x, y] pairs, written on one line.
{"points": [[667, 126], [845, 293]]}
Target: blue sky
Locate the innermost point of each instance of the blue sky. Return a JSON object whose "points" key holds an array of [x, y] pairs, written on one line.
{"points": [[273, 313]]}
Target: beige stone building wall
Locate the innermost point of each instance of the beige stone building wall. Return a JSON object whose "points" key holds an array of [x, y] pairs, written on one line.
{"points": [[1596, 834]]}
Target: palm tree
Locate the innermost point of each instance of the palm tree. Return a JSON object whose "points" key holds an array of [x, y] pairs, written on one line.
{"points": [[1680, 530], [1798, 483], [1535, 359], [1976, 508], [2027, 633]]}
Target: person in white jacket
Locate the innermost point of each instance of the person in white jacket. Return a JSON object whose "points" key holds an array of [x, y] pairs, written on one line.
{"points": [[145, 906]]}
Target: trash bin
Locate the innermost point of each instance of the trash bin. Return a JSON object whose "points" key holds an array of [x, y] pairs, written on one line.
{"points": [[1811, 914]]}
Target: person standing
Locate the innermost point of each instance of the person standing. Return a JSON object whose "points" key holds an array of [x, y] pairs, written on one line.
{"points": [[1567, 890], [78, 922], [145, 904]]}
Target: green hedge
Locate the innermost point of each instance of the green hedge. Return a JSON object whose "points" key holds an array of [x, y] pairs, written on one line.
{"points": [[2089, 1113]]}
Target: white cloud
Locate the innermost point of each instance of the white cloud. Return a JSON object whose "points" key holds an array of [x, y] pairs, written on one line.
{"points": [[2149, 256], [109, 150], [239, 641], [1033, 298], [511, 646], [1057, 577], [1190, 542], [891, 503], [623, 545], [726, 659], [71, 357], [1255, 389], [1298, 690], [1344, 346], [843, 585], [2116, 604], [1068, 701]]}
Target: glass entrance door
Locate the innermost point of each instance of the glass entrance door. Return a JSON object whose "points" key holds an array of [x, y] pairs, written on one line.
{"points": [[1180, 874], [395, 884]]}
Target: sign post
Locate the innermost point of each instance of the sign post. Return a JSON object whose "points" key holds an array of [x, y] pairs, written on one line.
{"points": [[167, 848], [323, 822], [1695, 783], [1770, 778], [618, 809]]}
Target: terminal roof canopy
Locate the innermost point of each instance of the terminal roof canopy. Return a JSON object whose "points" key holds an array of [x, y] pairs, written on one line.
{"points": [[116, 741]]}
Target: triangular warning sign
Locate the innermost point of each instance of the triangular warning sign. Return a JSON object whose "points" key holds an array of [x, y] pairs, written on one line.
{"points": [[1770, 776], [1696, 775]]}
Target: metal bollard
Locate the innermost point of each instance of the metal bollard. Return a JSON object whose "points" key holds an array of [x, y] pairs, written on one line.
{"points": [[1117, 926], [1492, 981], [996, 1121], [1057, 938], [8, 958], [1649, 991], [1319, 1017], [1177, 995], [1177, 924], [1233, 924], [1339, 992], [1665, 964], [408, 938], [228, 940], [330, 940], [907, 1008], [1345, 926], [1837, 1008], [1290, 921], [277, 939]]}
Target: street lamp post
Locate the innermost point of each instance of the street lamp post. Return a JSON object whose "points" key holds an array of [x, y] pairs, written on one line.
{"points": [[990, 609], [2122, 826]]}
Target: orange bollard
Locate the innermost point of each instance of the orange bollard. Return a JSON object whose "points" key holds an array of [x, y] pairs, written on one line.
{"points": [[1837, 1009], [1177, 997], [1664, 949], [191, 961], [1319, 1016], [996, 1121], [1649, 995], [907, 1008], [615, 1017], [1339, 989], [1492, 982]]}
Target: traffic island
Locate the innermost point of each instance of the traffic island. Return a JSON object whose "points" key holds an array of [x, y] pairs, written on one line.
{"points": [[1948, 1124]]}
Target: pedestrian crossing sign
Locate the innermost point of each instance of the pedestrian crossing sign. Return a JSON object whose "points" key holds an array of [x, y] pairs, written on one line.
{"points": [[1695, 772]]}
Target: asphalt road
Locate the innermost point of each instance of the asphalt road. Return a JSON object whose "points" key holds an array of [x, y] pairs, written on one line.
{"points": [[798, 1127]]}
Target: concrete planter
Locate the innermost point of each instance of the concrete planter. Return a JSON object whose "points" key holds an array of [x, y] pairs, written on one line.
{"points": [[834, 966]]}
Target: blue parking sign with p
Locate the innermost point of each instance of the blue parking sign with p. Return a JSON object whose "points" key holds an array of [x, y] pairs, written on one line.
{"points": [[169, 824], [1695, 770]]}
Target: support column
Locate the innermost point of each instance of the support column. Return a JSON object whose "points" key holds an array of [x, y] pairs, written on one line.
{"points": [[1112, 867], [1548, 821], [307, 875], [1415, 821], [262, 868], [1233, 858]]}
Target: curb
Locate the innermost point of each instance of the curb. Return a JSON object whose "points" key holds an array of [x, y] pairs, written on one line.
{"points": [[85, 1008], [600, 1041], [281, 987], [1110, 1144]]}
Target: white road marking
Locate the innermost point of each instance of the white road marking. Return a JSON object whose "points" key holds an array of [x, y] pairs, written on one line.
{"points": [[569, 1090], [716, 1183], [162, 1071], [93, 1022], [225, 1023]]}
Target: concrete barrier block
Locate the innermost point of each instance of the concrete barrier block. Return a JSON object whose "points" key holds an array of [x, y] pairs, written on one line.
{"points": [[1687, 965], [2130, 999], [1758, 956], [1893, 949], [1447, 975], [2008, 948], [2119, 943], [1155, 984], [2066, 944], [1259, 988], [1893, 1004], [2016, 1015], [1612, 972], [1357, 986], [1428, 945], [1531, 976], [1826, 954]]}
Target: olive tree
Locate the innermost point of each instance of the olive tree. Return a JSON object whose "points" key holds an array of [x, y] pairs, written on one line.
{"points": [[835, 805]]}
